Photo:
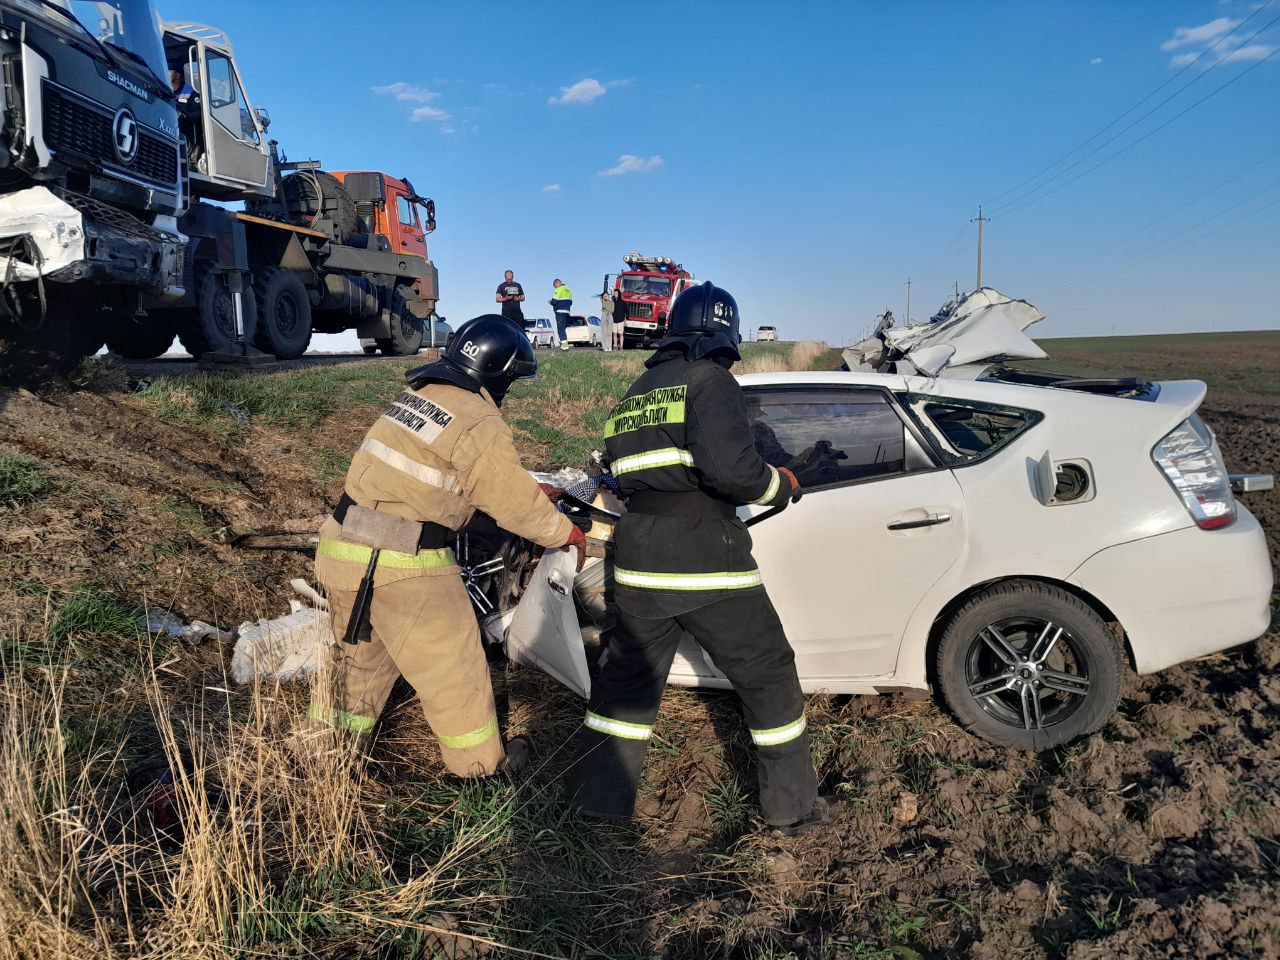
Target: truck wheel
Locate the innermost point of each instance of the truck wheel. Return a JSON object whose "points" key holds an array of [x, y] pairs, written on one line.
{"points": [[1028, 665], [284, 313], [211, 326], [142, 338], [406, 327]]}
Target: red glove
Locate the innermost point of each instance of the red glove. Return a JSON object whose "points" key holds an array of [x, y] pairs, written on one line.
{"points": [[577, 541], [553, 492], [796, 492]]}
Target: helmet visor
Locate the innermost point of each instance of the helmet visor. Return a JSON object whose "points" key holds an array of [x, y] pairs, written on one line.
{"points": [[518, 369]]}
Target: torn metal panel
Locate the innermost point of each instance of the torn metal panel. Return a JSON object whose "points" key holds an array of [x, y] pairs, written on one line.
{"points": [[544, 628]]}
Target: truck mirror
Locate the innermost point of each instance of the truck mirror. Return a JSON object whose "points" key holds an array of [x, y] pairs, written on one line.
{"points": [[264, 118], [430, 207]]}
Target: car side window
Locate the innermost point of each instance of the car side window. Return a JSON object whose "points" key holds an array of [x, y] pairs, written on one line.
{"points": [[966, 431], [828, 437]]}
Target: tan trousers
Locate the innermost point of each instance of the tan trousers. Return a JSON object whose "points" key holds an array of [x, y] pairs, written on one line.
{"points": [[421, 627]]}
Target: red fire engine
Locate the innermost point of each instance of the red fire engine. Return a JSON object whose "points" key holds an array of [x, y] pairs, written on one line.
{"points": [[648, 286]]}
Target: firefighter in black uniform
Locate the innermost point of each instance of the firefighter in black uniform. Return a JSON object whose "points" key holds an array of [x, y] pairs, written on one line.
{"points": [[681, 449]]}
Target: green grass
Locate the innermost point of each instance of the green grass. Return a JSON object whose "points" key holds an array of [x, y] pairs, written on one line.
{"points": [[91, 612], [297, 398], [22, 480]]}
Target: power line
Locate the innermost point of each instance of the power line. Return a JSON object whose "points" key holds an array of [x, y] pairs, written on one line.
{"points": [[1125, 149], [946, 251], [1160, 219], [1100, 132], [1155, 253]]}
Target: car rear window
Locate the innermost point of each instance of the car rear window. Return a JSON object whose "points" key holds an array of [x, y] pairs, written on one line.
{"points": [[965, 431], [833, 436]]}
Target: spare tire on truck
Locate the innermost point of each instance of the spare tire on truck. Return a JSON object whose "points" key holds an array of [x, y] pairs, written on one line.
{"points": [[313, 196]]}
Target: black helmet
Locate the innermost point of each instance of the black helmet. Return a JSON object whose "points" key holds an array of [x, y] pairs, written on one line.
{"points": [[489, 351], [705, 315]]}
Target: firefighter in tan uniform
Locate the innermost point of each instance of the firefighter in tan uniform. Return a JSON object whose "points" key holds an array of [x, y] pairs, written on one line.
{"points": [[439, 453]]}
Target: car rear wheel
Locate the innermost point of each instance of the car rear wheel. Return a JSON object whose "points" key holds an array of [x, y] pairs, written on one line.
{"points": [[1028, 665]]}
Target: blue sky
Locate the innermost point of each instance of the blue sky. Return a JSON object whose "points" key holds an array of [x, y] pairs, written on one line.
{"points": [[808, 156]]}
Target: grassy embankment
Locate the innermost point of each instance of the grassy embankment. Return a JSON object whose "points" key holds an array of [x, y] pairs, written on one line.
{"points": [[287, 852]]}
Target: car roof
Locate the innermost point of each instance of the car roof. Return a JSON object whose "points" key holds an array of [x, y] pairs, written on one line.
{"points": [[990, 391]]}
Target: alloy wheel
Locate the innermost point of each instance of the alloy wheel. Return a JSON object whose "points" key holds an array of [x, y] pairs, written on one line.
{"points": [[1027, 672]]}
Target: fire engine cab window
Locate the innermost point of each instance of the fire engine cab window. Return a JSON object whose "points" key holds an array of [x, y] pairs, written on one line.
{"points": [[226, 102], [406, 211], [828, 437]]}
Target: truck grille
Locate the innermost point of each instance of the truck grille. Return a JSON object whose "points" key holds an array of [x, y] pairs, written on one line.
{"points": [[639, 311], [72, 126]]}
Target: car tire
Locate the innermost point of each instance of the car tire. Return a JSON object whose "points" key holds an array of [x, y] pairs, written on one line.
{"points": [[406, 327], [284, 313], [211, 326], [1010, 680]]}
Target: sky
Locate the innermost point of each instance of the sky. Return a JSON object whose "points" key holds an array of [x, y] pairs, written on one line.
{"points": [[808, 157]]}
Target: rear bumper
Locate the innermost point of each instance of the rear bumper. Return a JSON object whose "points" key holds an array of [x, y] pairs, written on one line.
{"points": [[1187, 593]]}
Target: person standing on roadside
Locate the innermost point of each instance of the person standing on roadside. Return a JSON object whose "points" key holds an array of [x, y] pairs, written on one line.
{"points": [[606, 317], [511, 295], [619, 321], [680, 446], [561, 300]]}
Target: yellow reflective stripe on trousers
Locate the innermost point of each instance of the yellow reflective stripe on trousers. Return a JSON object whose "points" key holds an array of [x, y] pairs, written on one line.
{"points": [[666, 457], [728, 580], [406, 465], [618, 728], [341, 719], [387, 559], [776, 735], [771, 491], [476, 737]]}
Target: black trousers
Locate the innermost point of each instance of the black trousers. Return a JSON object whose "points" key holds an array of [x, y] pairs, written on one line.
{"points": [[747, 642]]}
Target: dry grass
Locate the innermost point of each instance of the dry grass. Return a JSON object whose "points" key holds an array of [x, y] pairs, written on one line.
{"points": [[281, 834], [801, 357]]}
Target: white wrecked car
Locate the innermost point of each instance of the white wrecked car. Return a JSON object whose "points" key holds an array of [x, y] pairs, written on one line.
{"points": [[1009, 539]]}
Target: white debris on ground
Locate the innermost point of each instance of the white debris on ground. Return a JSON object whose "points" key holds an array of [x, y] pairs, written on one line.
{"points": [[286, 648], [166, 622]]}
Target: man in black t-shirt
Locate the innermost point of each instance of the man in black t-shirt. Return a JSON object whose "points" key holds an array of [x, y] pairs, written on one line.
{"points": [[511, 295]]}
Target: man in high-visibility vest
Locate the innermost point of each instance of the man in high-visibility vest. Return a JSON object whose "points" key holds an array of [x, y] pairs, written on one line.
{"points": [[681, 450], [561, 300], [439, 453]]}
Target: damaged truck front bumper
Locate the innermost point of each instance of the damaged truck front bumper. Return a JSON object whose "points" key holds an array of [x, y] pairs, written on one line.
{"points": [[53, 234]]}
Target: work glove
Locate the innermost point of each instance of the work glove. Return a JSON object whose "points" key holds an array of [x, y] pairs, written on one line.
{"points": [[577, 541], [796, 492], [551, 490]]}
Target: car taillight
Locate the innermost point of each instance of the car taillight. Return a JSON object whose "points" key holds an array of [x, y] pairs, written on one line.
{"points": [[1191, 464]]}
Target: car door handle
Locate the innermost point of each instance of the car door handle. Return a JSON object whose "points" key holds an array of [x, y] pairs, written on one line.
{"points": [[931, 520]]}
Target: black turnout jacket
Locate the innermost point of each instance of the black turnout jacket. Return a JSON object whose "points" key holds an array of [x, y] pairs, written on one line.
{"points": [[681, 448]]}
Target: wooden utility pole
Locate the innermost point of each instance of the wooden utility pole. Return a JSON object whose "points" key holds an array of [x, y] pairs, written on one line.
{"points": [[980, 220], [908, 301]]}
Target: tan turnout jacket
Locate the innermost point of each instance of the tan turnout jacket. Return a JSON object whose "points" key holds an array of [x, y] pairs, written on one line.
{"points": [[439, 454]]}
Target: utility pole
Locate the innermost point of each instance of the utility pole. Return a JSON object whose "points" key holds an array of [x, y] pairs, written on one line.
{"points": [[980, 220], [908, 301]]}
